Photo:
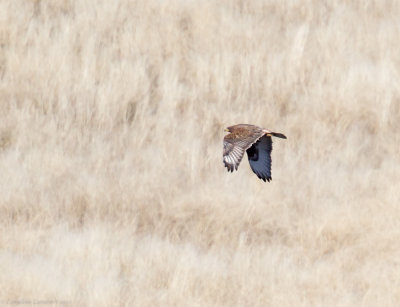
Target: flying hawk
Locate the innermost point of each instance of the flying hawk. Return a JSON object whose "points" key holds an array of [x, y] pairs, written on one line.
{"points": [[256, 142]]}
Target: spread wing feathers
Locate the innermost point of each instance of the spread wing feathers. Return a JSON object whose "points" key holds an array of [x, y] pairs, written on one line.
{"points": [[260, 158], [232, 156], [234, 149]]}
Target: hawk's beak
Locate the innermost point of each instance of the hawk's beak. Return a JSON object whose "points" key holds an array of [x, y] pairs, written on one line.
{"points": [[226, 130]]}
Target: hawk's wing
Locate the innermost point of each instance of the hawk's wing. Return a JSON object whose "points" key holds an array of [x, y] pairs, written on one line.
{"points": [[260, 157], [234, 149]]}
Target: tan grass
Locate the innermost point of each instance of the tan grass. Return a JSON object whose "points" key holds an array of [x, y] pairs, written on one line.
{"points": [[112, 186]]}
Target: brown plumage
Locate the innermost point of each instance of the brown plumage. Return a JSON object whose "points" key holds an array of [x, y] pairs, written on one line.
{"points": [[256, 142]]}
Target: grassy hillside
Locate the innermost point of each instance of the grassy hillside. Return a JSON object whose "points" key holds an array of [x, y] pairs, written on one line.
{"points": [[112, 186]]}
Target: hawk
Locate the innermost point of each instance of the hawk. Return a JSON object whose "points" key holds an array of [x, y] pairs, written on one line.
{"points": [[256, 142]]}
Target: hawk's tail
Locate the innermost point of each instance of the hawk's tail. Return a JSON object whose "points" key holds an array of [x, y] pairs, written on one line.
{"points": [[278, 135]]}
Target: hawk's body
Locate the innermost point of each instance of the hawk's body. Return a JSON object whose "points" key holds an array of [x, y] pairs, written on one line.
{"points": [[256, 142]]}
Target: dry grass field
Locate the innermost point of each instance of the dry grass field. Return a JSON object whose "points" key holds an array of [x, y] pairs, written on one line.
{"points": [[112, 186]]}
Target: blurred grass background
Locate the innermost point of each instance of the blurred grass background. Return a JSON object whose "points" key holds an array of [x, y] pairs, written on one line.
{"points": [[112, 186]]}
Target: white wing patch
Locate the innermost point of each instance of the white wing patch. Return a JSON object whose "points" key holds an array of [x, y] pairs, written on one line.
{"points": [[260, 158], [233, 158]]}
